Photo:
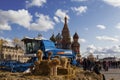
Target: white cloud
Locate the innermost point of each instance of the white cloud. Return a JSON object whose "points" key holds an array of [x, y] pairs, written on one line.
{"points": [[91, 48], [79, 10], [5, 26], [21, 17], [102, 27], [37, 3], [115, 3], [82, 40], [24, 18], [110, 51], [43, 23], [116, 36], [60, 14], [79, 0], [56, 19], [118, 26], [107, 38]]}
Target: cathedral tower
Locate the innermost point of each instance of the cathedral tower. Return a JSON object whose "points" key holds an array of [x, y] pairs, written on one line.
{"points": [[66, 41], [75, 46]]}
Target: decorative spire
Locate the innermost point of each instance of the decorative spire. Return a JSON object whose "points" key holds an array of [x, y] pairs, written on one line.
{"points": [[75, 36], [65, 20], [58, 37], [52, 38], [65, 24]]}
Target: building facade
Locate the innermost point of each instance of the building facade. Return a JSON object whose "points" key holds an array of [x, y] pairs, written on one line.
{"points": [[10, 51]]}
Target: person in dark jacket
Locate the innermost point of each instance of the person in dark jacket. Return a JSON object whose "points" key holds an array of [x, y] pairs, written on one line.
{"points": [[97, 69], [85, 64]]}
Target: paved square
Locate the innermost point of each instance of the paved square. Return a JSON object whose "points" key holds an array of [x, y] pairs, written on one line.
{"points": [[112, 73]]}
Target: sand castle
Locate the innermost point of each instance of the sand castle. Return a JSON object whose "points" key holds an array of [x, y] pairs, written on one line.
{"points": [[53, 67]]}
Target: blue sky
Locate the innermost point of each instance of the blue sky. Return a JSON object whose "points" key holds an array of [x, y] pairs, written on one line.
{"points": [[97, 22]]}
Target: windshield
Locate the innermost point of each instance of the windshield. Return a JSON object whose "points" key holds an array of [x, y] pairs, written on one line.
{"points": [[32, 47]]}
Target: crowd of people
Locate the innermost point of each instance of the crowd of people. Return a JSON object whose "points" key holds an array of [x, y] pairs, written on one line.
{"points": [[90, 64], [113, 64]]}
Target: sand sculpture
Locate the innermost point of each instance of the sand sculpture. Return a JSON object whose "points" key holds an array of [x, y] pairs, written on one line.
{"points": [[53, 67]]}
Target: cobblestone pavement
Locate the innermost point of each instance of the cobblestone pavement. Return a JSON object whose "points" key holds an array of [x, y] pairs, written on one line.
{"points": [[112, 73]]}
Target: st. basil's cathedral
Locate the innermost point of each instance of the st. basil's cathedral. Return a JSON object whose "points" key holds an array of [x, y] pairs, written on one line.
{"points": [[63, 40]]}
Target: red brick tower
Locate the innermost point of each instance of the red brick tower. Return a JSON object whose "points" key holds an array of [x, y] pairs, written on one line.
{"points": [[75, 46]]}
